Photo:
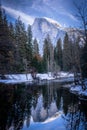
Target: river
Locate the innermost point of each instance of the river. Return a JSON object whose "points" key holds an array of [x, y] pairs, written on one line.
{"points": [[44, 106]]}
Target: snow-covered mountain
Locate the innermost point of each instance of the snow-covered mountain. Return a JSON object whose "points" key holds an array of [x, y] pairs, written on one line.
{"points": [[43, 26]]}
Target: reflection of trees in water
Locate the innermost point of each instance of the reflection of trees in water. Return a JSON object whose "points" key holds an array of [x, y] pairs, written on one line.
{"points": [[75, 116], [47, 104], [15, 106], [67, 99], [70, 105], [6, 98], [21, 107], [51, 94], [76, 119], [52, 99], [19, 102]]}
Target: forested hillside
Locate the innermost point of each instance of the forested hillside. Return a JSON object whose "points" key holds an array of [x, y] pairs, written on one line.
{"points": [[19, 51]]}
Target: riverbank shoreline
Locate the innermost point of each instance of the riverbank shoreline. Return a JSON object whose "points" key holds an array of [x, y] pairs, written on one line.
{"points": [[62, 77], [20, 78], [79, 91]]}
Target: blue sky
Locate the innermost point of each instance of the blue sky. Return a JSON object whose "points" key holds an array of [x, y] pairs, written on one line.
{"points": [[62, 11]]}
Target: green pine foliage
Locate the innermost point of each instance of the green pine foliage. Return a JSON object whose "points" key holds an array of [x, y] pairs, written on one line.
{"points": [[46, 53], [29, 45], [35, 47], [6, 46], [67, 54], [58, 53], [20, 41]]}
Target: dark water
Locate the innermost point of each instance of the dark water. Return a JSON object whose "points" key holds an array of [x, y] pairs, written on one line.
{"points": [[27, 107]]}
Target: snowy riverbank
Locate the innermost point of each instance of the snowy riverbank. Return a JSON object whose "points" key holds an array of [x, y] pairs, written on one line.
{"points": [[61, 77], [16, 78], [19, 78], [78, 90]]}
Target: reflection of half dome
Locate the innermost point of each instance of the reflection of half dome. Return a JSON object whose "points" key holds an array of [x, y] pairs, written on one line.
{"points": [[43, 114], [36, 112], [53, 109], [40, 113]]}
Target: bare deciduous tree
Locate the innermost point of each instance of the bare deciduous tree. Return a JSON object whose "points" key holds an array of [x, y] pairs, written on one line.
{"points": [[82, 16]]}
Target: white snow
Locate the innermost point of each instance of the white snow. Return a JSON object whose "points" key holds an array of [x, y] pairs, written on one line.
{"points": [[45, 76], [19, 78], [53, 21], [65, 74], [77, 89], [50, 76], [84, 93]]}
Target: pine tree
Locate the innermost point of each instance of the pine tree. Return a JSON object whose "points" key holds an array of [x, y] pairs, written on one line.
{"points": [[48, 54], [51, 63], [29, 47], [67, 58], [58, 53], [12, 40], [21, 40], [35, 47], [6, 55], [37, 59]]}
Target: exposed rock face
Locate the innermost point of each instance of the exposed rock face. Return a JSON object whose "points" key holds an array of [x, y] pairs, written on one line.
{"points": [[43, 26]]}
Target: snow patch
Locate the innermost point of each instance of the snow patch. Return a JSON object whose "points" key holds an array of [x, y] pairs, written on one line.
{"points": [[45, 76], [17, 78], [77, 89], [53, 21]]}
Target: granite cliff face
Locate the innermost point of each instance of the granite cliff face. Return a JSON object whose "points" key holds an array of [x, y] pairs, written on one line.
{"points": [[44, 26]]}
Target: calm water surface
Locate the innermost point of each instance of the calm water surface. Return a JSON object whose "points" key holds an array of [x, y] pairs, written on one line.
{"points": [[49, 106]]}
